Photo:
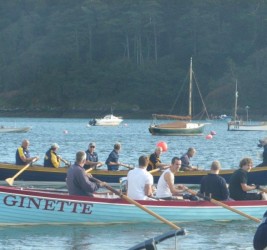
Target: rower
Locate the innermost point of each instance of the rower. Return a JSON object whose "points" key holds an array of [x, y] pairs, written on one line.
{"points": [[154, 160], [186, 160], [166, 188], [23, 154], [51, 159], [92, 157], [213, 185]]}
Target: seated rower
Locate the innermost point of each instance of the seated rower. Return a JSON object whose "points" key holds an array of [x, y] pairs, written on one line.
{"points": [[51, 159], [238, 186], [78, 181], [23, 154], [213, 185], [92, 157], [166, 189], [113, 159], [186, 160], [140, 181], [154, 160]]}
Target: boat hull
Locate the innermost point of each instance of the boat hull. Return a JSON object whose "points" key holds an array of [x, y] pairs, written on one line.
{"points": [[238, 126], [55, 175], [177, 131], [14, 130], [108, 120], [28, 206]]}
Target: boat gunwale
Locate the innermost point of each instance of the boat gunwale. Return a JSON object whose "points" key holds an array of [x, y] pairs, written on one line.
{"points": [[40, 168], [119, 201]]}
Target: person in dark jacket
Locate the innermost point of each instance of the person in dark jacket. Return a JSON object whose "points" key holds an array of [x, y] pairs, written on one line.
{"points": [[51, 159], [113, 159], [238, 187], [92, 157], [155, 162], [186, 166], [78, 181], [263, 143], [213, 185], [260, 237]]}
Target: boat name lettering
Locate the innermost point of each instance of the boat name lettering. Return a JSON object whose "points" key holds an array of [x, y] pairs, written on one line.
{"points": [[47, 204]]}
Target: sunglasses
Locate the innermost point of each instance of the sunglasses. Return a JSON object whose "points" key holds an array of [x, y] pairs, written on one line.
{"points": [[92, 146]]}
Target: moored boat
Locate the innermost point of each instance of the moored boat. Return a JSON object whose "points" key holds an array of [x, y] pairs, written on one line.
{"points": [[31, 206], [14, 130], [183, 127], [37, 173], [108, 120], [239, 125]]}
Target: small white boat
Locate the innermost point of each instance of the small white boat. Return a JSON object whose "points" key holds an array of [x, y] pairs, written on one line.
{"points": [[14, 130], [237, 125], [108, 120]]}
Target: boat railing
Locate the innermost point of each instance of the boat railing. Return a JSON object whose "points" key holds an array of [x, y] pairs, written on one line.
{"points": [[152, 242]]}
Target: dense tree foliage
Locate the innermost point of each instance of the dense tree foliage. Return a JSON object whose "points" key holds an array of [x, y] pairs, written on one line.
{"points": [[132, 55]]}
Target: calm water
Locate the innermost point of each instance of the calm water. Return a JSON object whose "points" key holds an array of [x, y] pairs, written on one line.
{"points": [[73, 135]]}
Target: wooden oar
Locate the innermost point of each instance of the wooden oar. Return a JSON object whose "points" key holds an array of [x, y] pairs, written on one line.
{"points": [[10, 180], [154, 170], [65, 161], [136, 204], [91, 169], [127, 166], [224, 205], [157, 170]]}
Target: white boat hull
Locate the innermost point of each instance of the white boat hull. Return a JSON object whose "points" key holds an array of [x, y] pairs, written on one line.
{"points": [[108, 120], [237, 126], [14, 130]]}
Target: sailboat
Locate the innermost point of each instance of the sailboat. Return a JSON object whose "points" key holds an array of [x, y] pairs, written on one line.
{"points": [[182, 127], [239, 125]]}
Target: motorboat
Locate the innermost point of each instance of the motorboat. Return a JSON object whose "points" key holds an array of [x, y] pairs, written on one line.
{"points": [[108, 120]]}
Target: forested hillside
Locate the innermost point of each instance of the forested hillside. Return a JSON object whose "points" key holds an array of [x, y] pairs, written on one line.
{"points": [[86, 56]]}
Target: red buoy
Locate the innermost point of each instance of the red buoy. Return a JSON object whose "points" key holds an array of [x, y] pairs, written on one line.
{"points": [[163, 145]]}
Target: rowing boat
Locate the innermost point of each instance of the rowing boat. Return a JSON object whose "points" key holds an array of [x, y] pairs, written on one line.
{"points": [[32, 206], [39, 173]]}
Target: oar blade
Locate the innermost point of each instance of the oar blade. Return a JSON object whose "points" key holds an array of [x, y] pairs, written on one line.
{"points": [[10, 181]]}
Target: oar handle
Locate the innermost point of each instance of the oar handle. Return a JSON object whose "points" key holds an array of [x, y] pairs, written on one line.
{"points": [[65, 161], [126, 166], [93, 168], [154, 170], [223, 205], [137, 204]]}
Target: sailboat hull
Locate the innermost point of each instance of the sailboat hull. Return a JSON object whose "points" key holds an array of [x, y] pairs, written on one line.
{"points": [[177, 129], [239, 126]]}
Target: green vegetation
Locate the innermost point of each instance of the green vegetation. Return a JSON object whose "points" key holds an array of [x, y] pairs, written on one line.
{"points": [[84, 56]]}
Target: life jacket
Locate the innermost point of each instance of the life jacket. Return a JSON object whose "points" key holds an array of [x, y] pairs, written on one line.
{"points": [[20, 152]]}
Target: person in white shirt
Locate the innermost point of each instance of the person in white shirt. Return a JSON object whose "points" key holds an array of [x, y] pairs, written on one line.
{"points": [[140, 181], [166, 189]]}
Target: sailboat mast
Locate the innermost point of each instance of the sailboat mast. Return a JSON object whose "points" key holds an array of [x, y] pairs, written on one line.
{"points": [[190, 89], [236, 96]]}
